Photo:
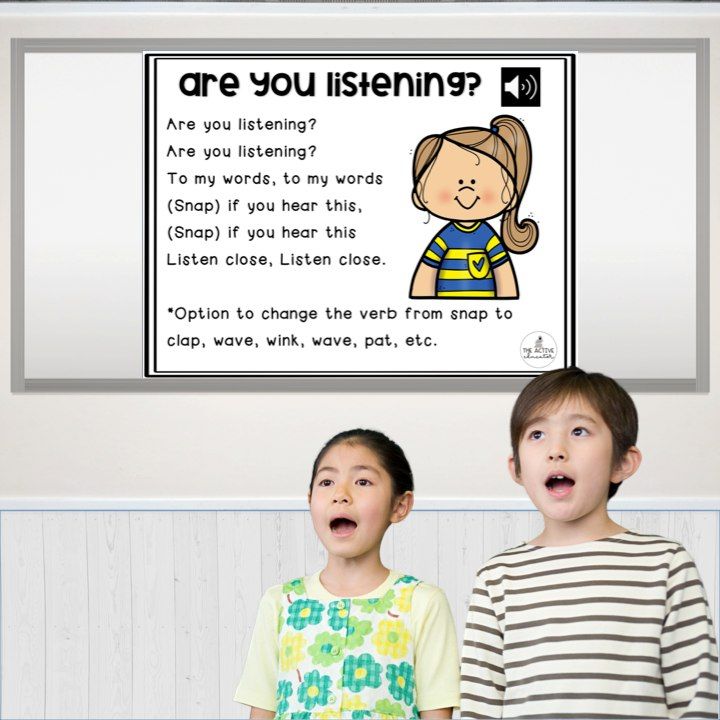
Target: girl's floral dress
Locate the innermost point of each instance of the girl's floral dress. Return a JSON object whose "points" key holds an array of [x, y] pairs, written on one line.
{"points": [[348, 658]]}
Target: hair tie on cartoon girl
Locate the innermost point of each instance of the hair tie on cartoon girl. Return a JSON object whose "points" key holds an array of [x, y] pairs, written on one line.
{"points": [[470, 175]]}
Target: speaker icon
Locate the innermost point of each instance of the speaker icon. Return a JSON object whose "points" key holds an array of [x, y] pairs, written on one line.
{"points": [[520, 87]]}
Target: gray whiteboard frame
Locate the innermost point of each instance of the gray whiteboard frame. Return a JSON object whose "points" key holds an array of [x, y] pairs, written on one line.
{"points": [[22, 46]]}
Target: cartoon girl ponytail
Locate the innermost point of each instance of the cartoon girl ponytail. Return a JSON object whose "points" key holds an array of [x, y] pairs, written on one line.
{"points": [[519, 237]]}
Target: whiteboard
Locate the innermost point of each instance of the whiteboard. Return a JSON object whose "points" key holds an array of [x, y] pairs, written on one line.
{"points": [[641, 218]]}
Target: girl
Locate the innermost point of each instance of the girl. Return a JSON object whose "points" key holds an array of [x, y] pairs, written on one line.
{"points": [[355, 640], [467, 176]]}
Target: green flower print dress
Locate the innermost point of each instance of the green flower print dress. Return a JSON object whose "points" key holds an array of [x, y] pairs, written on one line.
{"points": [[349, 659]]}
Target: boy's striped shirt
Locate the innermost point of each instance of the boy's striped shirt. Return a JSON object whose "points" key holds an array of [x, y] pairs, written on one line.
{"points": [[613, 628]]}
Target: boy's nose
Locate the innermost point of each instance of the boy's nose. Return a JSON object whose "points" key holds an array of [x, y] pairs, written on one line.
{"points": [[557, 454]]}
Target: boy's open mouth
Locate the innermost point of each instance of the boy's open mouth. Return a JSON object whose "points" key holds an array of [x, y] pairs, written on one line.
{"points": [[342, 526], [559, 485]]}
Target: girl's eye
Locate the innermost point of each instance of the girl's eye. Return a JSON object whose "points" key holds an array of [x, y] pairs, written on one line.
{"points": [[324, 483], [460, 182], [363, 482], [579, 432], [536, 434], [472, 182]]}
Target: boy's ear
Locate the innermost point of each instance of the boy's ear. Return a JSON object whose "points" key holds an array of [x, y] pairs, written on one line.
{"points": [[402, 506], [627, 466], [309, 496], [513, 470]]}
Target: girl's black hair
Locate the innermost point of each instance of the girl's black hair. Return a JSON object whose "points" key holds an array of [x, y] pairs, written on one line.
{"points": [[389, 454]]}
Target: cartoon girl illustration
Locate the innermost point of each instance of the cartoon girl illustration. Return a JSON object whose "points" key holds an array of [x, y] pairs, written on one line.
{"points": [[468, 176]]}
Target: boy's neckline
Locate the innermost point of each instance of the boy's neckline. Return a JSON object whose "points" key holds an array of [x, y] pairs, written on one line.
{"points": [[315, 588], [574, 545]]}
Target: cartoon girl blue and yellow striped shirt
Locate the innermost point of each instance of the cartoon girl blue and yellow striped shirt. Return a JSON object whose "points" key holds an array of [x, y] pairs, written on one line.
{"points": [[465, 258]]}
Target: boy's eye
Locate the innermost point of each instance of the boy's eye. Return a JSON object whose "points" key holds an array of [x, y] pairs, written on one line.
{"points": [[325, 482], [363, 482], [535, 434], [579, 431]]}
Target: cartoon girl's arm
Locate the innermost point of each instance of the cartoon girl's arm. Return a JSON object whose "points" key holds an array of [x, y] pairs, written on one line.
{"points": [[505, 283], [423, 283]]}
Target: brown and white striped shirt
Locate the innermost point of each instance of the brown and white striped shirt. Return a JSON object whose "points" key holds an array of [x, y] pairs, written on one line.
{"points": [[613, 628]]}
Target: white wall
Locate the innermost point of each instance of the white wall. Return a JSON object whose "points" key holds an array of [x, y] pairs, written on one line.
{"points": [[262, 445]]}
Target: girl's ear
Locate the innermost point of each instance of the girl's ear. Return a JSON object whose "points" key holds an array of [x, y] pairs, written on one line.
{"points": [[402, 506], [417, 202]]}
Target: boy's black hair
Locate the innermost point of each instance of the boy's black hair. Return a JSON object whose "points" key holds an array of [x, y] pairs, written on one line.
{"points": [[389, 454], [604, 394]]}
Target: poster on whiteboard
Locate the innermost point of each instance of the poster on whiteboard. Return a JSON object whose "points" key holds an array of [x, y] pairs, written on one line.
{"points": [[359, 214]]}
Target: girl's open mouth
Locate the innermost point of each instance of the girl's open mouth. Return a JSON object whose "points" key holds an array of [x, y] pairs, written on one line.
{"points": [[559, 485], [342, 527]]}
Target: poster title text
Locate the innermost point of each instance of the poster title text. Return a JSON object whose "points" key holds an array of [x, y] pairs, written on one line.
{"points": [[333, 84]]}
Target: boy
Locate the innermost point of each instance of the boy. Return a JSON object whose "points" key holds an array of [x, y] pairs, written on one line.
{"points": [[588, 620]]}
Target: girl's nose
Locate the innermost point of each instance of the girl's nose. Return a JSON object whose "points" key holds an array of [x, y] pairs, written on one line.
{"points": [[341, 494]]}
